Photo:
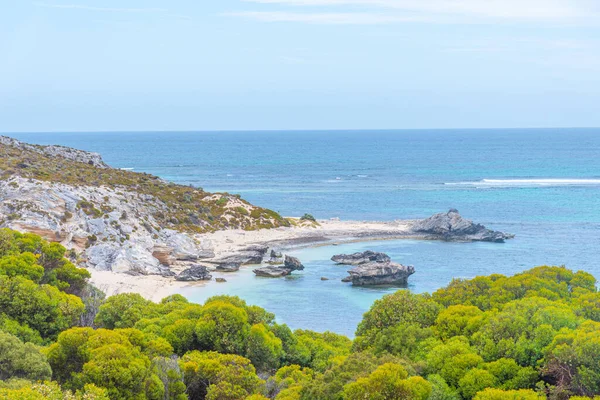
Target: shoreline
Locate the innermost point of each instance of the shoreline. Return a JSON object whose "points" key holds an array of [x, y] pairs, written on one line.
{"points": [[227, 243], [246, 247]]}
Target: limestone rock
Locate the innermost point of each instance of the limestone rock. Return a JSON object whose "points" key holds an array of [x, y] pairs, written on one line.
{"points": [[194, 274], [272, 272], [58, 151], [360, 258], [292, 263], [376, 273], [275, 258], [228, 267], [252, 255], [451, 226]]}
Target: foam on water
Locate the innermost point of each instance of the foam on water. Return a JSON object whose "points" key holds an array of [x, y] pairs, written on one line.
{"points": [[527, 182]]}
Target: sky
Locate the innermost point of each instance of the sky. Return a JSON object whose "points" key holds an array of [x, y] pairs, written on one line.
{"points": [[135, 65]]}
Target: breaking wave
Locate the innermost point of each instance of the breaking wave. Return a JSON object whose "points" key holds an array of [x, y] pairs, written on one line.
{"points": [[527, 182]]}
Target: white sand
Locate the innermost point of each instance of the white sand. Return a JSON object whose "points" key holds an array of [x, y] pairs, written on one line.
{"points": [[229, 242]]}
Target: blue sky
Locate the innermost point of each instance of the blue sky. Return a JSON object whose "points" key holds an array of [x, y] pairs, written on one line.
{"points": [[95, 65]]}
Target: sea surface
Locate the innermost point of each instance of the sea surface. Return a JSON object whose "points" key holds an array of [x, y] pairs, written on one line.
{"points": [[542, 185]]}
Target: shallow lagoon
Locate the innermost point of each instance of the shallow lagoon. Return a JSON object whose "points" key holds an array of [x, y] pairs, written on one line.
{"points": [[304, 301]]}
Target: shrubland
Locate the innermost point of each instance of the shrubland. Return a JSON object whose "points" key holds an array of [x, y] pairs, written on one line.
{"points": [[532, 336], [178, 207]]}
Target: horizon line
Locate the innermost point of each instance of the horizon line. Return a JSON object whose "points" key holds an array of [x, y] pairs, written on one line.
{"points": [[300, 130]]}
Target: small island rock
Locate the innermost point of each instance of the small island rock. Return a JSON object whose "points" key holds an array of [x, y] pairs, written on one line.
{"points": [[360, 258], [228, 267], [451, 226], [293, 264], [272, 272], [375, 273], [290, 265]]}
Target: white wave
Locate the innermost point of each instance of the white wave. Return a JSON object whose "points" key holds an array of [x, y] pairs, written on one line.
{"points": [[527, 182], [126, 169], [362, 176]]}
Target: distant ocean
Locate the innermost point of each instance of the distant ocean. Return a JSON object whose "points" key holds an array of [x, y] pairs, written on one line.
{"points": [[542, 185]]}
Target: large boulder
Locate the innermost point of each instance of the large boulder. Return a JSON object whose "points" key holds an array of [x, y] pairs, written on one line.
{"points": [[228, 267], [272, 272], [290, 265], [133, 258], [194, 274], [252, 255], [451, 226], [376, 273], [360, 258]]}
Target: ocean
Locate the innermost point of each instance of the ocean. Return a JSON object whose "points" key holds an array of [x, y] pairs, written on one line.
{"points": [[542, 185]]}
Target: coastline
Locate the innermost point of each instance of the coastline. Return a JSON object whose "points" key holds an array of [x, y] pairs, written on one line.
{"points": [[226, 243]]}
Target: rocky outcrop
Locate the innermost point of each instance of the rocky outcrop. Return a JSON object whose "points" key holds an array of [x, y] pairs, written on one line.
{"points": [[118, 220], [360, 258], [112, 230], [228, 267], [379, 273], [194, 274], [272, 272], [290, 265], [252, 255], [58, 151], [451, 226]]}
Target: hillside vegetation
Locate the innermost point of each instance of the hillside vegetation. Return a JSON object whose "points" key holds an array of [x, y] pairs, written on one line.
{"points": [[532, 336], [183, 208]]}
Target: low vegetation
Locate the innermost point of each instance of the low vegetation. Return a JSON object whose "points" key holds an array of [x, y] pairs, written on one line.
{"points": [[532, 336], [183, 208]]}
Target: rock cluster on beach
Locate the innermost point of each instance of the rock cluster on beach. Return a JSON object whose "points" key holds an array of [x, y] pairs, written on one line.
{"points": [[372, 268], [451, 226], [290, 265]]}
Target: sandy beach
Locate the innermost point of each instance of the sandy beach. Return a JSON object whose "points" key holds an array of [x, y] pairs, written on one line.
{"points": [[229, 242]]}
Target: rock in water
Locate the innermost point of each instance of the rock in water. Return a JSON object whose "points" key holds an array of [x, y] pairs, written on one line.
{"points": [[194, 274], [293, 264], [275, 258], [221, 280], [360, 258], [272, 272], [375, 273], [228, 267], [451, 226], [290, 265]]}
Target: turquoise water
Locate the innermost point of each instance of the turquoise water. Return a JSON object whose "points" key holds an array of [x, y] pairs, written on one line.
{"points": [[506, 179]]}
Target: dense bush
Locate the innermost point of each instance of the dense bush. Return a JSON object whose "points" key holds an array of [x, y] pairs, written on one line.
{"points": [[532, 336]]}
